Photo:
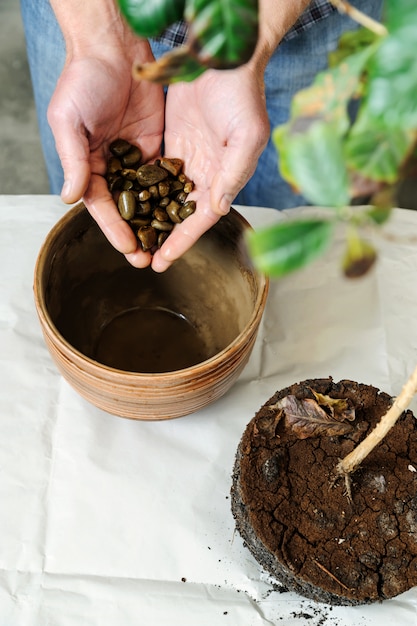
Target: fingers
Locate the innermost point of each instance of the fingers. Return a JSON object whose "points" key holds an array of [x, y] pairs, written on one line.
{"points": [[139, 258], [236, 168], [73, 150], [103, 210], [183, 237]]}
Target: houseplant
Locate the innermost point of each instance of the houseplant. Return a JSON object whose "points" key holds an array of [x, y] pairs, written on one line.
{"points": [[330, 156], [351, 136]]}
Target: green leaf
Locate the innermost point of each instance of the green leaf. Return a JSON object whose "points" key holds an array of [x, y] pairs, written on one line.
{"points": [[148, 18], [314, 159], [379, 215], [375, 151], [223, 33], [392, 80], [283, 248], [331, 91], [352, 42], [280, 136], [359, 257], [400, 14]]}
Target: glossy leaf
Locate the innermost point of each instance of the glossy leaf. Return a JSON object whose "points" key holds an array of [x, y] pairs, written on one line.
{"points": [[280, 135], [352, 42], [314, 158], [285, 247], [392, 85], [360, 255], [331, 92], [393, 71], [400, 14], [148, 18], [376, 151], [223, 33], [379, 215]]}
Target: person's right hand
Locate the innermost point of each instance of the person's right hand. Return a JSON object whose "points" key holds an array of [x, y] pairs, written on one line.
{"points": [[96, 101], [218, 125]]}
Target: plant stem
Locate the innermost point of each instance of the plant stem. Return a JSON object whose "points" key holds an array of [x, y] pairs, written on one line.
{"points": [[361, 18], [353, 459]]}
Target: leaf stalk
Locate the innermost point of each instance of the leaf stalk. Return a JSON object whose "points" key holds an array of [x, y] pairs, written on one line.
{"points": [[361, 18]]}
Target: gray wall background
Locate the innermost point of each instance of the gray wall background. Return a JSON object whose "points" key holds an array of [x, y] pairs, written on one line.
{"points": [[22, 169]]}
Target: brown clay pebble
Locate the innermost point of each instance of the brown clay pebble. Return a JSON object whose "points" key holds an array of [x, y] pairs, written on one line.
{"points": [[160, 214], [143, 208], [132, 157], [173, 209], [148, 175], [162, 237], [119, 147], [114, 165], [166, 227], [151, 197], [137, 222], [127, 205], [187, 209], [128, 173], [147, 236], [173, 166], [164, 188], [299, 523]]}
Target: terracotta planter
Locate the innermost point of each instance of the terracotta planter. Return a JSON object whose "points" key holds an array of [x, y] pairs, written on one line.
{"points": [[140, 344]]}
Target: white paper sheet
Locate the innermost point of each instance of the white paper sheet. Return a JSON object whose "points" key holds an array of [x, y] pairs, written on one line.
{"points": [[106, 521]]}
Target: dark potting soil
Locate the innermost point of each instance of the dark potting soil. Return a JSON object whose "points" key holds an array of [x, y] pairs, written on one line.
{"points": [[299, 523]]}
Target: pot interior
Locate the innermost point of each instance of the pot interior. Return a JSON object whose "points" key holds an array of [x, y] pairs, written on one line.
{"points": [[141, 321]]}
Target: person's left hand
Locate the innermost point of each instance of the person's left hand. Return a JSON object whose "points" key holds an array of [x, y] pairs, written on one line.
{"points": [[219, 126], [97, 100]]}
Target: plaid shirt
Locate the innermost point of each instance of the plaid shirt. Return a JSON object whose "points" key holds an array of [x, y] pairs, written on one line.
{"points": [[317, 10]]}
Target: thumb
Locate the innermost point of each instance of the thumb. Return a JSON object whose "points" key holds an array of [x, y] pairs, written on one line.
{"points": [[234, 173], [74, 152]]}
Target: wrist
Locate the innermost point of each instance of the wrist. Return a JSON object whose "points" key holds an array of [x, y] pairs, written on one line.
{"points": [[276, 17], [97, 25]]}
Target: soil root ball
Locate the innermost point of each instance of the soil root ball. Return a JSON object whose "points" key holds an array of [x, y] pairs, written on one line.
{"points": [[299, 523]]}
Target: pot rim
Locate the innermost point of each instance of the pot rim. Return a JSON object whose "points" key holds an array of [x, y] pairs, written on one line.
{"points": [[95, 366]]}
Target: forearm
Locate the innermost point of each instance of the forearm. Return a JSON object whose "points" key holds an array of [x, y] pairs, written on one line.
{"points": [[93, 24], [276, 17]]}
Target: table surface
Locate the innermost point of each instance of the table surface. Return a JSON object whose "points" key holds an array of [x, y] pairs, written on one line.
{"points": [[109, 521]]}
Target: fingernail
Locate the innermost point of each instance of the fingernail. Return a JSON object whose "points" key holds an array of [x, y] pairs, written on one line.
{"points": [[167, 253], [66, 189], [224, 204]]}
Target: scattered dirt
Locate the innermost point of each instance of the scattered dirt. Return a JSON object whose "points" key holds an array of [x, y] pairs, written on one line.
{"points": [[298, 522]]}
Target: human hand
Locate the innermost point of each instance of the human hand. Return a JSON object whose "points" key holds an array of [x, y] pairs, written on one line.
{"points": [[96, 101], [219, 126]]}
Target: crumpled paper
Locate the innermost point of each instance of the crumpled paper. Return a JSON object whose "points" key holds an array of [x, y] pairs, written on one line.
{"points": [[106, 521]]}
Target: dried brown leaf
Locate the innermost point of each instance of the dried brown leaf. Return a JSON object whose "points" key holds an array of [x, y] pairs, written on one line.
{"points": [[338, 407], [267, 426], [308, 419]]}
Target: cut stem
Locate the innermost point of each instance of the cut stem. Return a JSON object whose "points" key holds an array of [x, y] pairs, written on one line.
{"points": [[361, 18], [353, 459]]}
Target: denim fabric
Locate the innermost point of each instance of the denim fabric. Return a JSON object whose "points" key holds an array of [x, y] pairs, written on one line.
{"points": [[46, 55], [292, 67], [176, 34]]}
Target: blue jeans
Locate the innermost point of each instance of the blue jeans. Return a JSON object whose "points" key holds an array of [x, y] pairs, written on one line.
{"points": [[292, 67]]}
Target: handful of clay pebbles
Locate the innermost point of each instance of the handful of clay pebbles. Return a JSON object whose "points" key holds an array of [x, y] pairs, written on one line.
{"points": [[152, 198]]}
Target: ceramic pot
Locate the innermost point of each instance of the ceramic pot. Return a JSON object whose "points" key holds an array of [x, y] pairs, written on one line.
{"points": [[140, 344]]}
